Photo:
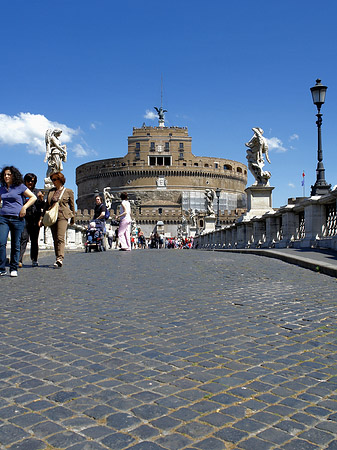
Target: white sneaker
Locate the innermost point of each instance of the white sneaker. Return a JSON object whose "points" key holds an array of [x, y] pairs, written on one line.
{"points": [[14, 273]]}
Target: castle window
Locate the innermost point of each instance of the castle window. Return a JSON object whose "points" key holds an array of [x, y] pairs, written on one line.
{"points": [[181, 155], [206, 165], [159, 160], [137, 145], [137, 154], [181, 146], [167, 146], [196, 164], [239, 170], [152, 146], [216, 165], [227, 167]]}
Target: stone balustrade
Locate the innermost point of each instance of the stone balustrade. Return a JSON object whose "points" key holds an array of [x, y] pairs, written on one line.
{"points": [[302, 223]]}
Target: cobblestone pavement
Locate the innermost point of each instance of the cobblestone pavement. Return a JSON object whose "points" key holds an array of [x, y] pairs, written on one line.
{"points": [[165, 349]]}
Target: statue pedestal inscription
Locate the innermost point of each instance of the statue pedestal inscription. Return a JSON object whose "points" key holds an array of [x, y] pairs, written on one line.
{"points": [[259, 201]]}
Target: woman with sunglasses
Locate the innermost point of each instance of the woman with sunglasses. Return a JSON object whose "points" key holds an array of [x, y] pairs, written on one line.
{"points": [[65, 197], [33, 214], [12, 215]]}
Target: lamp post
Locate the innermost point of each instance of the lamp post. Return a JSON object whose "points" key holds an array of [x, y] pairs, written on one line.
{"points": [[321, 187], [217, 225]]}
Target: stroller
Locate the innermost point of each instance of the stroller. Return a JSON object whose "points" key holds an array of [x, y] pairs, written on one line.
{"points": [[95, 237]]}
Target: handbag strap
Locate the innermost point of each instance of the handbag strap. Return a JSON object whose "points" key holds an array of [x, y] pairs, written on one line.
{"points": [[61, 195]]}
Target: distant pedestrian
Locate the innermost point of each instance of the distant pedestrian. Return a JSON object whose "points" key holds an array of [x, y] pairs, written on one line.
{"points": [[65, 197], [110, 235], [33, 214], [125, 222], [12, 215]]}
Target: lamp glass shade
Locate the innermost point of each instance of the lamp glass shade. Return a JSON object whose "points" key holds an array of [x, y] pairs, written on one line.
{"points": [[318, 93], [217, 192]]}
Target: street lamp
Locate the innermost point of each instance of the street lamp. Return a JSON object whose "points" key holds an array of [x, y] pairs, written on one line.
{"points": [[321, 187], [217, 225]]}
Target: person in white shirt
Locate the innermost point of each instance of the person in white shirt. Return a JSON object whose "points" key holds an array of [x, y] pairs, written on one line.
{"points": [[125, 222]]}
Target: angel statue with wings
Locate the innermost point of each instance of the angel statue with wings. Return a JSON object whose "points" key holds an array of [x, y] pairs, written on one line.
{"points": [[257, 148], [55, 152], [160, 112]]}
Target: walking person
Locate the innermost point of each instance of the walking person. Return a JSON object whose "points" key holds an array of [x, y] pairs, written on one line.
{"points": [[65, 197], [125, 222], [110, 234], [12, 215], [33, 214]]}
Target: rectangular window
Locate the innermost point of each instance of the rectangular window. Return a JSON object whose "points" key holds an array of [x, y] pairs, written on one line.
{"points": [[152, 160], [181, 146], [153, 146], [137, 154], [216, 165], [137, 145], [160, 160], [181, 155], [167, 146], [167, 161]]}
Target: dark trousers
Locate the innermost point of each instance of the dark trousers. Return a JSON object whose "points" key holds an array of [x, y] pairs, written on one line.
{"points": [[31, 231]]}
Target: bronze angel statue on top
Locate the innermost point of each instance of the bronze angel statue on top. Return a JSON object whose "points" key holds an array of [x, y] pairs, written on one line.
{"points": [[160, 112]]}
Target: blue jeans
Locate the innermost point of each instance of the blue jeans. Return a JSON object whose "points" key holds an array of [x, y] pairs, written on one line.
{"points": [[15, 226]]}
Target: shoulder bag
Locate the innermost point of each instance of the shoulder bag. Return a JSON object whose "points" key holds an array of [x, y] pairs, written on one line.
{"points": [[51, 215]]}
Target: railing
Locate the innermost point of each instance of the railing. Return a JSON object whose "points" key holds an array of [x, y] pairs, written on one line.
{"points": [[303, 223]]}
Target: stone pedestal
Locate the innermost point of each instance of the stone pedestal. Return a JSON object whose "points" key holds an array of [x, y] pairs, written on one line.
{"points": [[209, 222], [259, 201], [192, 231]]}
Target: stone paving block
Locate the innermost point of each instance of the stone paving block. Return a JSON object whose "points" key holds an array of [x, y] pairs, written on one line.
{"points": [[275, 435], [149, 412], [145, 432], [185, 414], [299, 444], [46, 428], [64, 439], [117, 441], [58, 413], [11, 433], [97, 432], [28, 444], [87, 446], [231, 435], [317, 436], [210, 443], [172, 441], [256, 444], [120, 421], [99, 411], [27, 420]]}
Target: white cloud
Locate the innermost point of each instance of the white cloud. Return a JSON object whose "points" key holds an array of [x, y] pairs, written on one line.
{"points": [[276, 144], [150, 115], [29, 129], [294, 137], [80, 151], [291, 185], [93, 126]]}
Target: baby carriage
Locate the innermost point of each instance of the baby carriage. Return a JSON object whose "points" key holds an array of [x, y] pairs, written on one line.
{"points": [[95, 237]]}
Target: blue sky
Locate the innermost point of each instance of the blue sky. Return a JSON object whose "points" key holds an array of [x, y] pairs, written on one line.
{"points": [[94, 69]]}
